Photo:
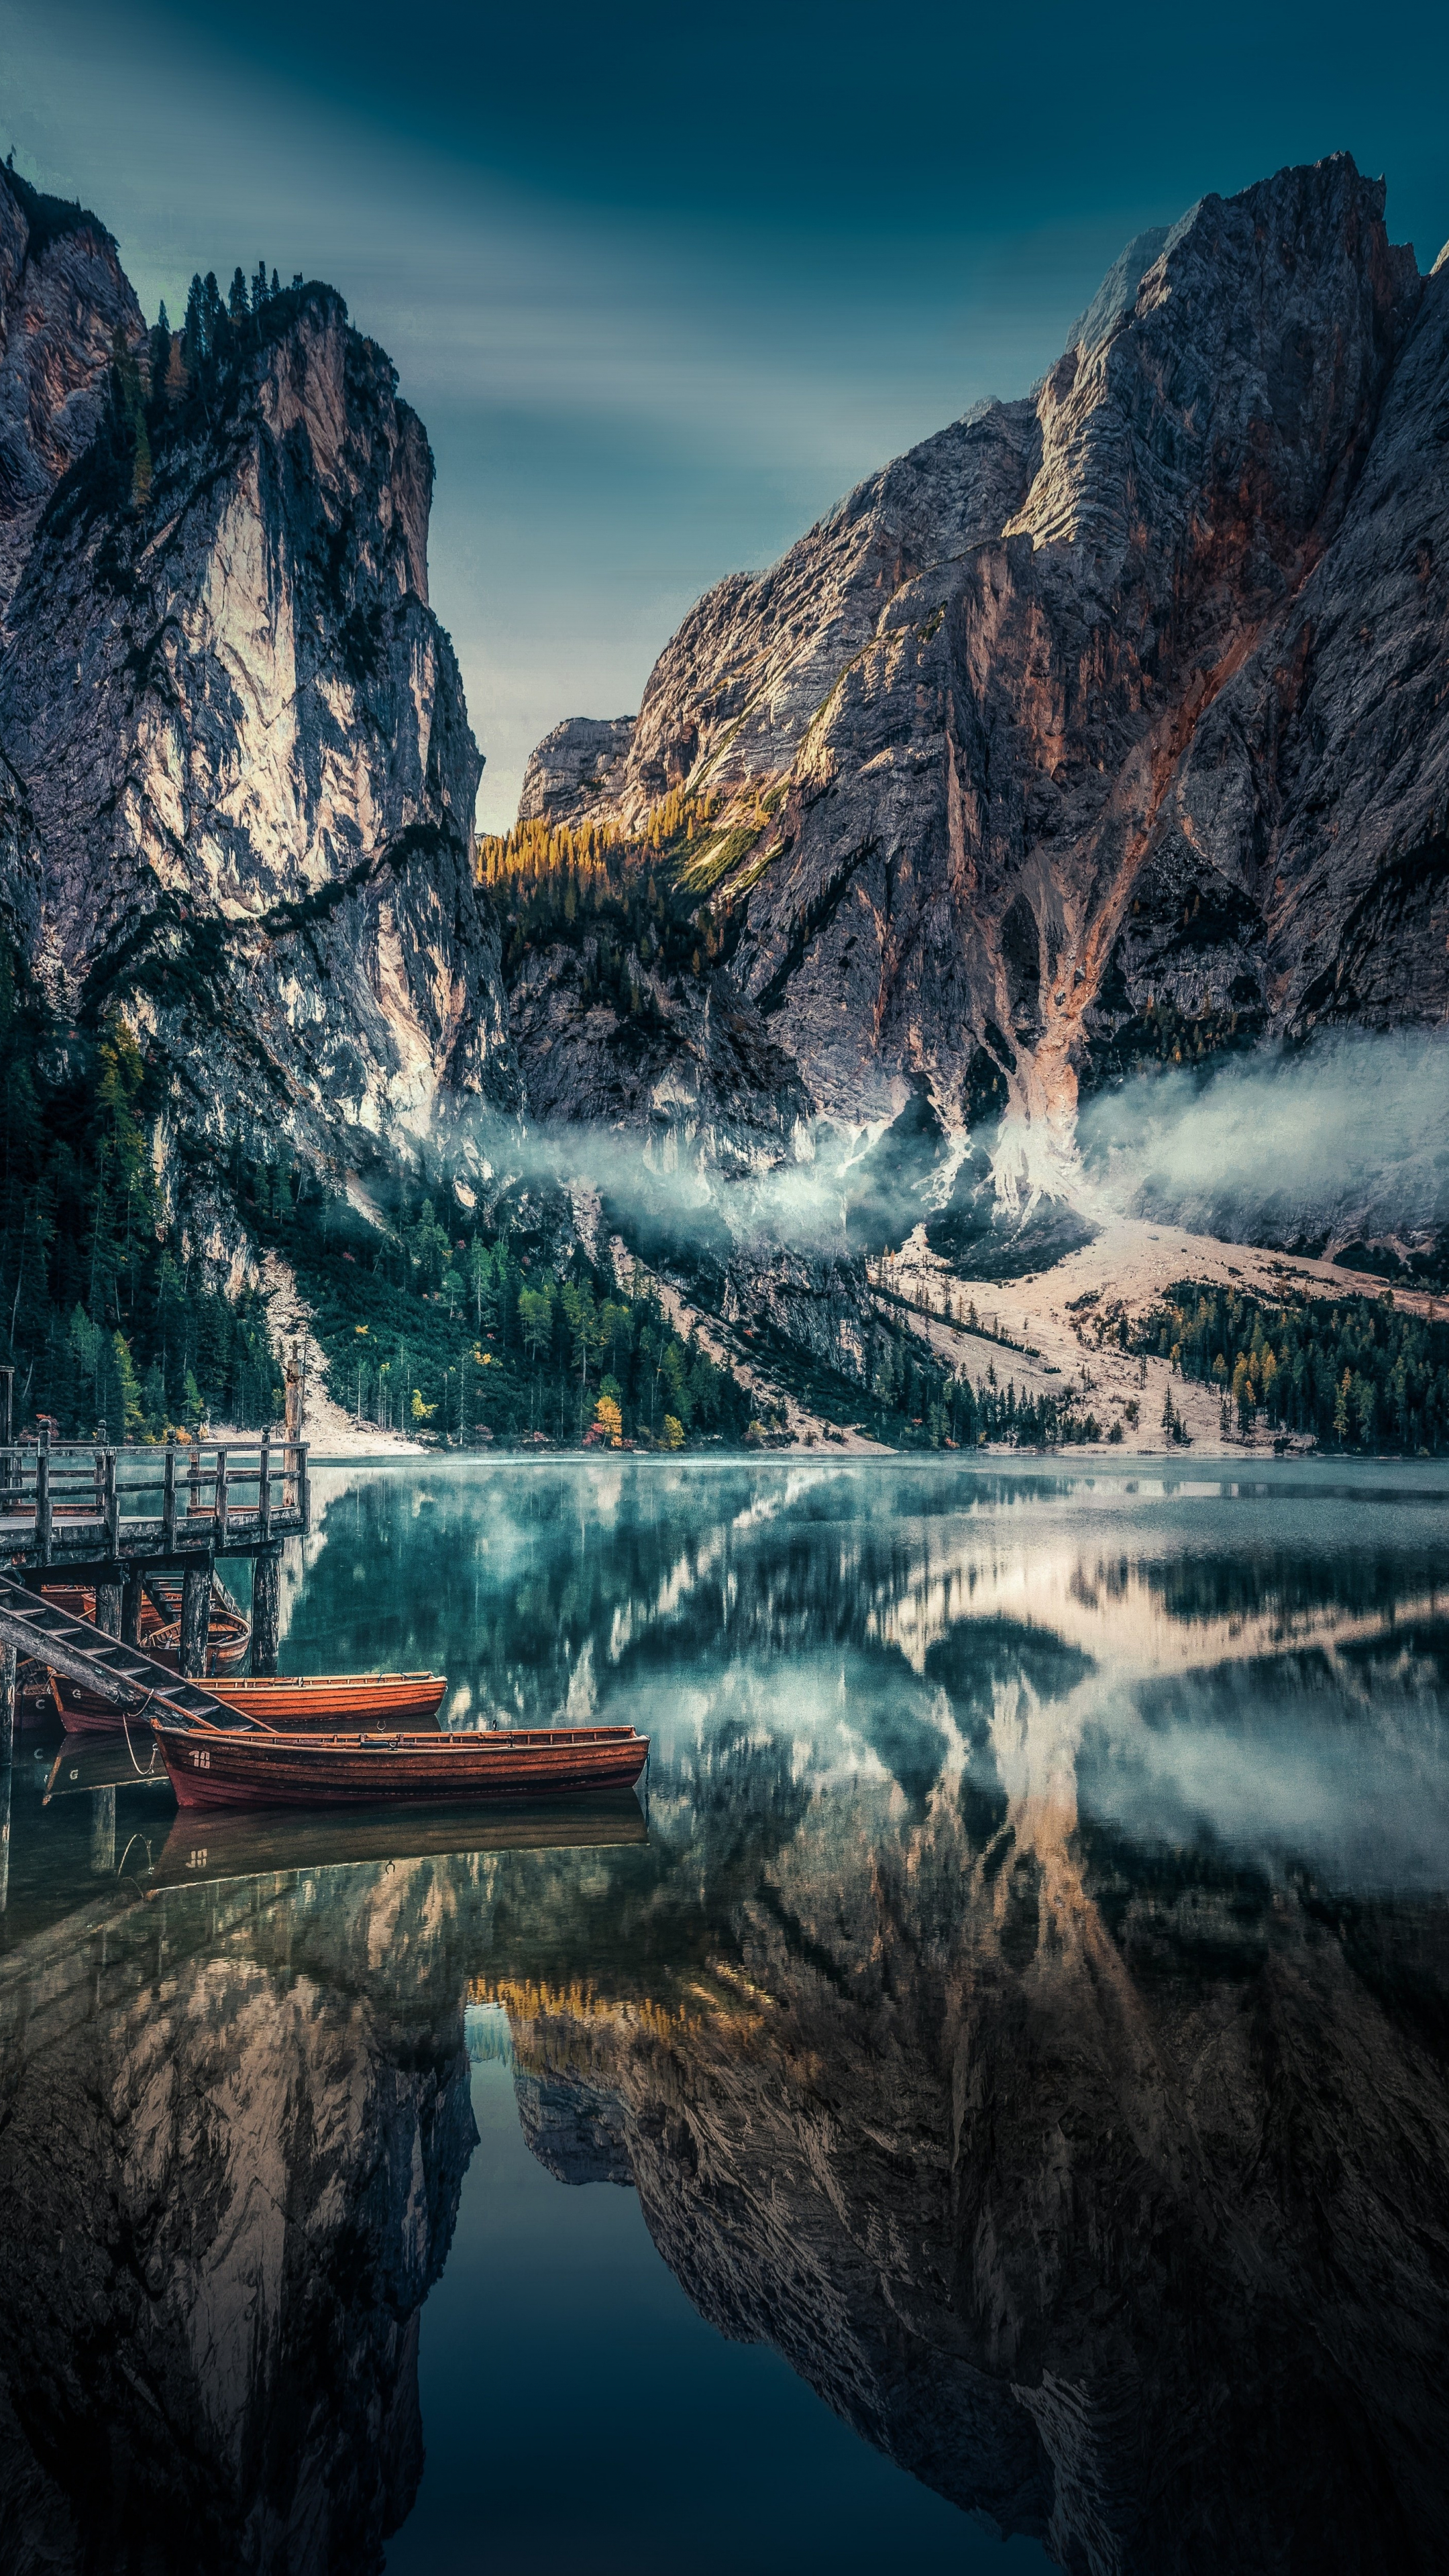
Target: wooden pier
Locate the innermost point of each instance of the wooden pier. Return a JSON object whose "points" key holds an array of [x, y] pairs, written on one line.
{"points": [[114, 1520]]}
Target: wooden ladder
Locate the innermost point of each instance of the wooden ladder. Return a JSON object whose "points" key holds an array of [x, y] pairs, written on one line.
{"points": [[87, 1655]]}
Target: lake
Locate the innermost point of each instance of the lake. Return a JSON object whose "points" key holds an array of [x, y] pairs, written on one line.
{"points": [[982, 2106]]}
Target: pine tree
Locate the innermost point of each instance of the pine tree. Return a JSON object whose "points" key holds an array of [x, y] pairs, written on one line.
{"points": [[238, 303], [194, 331]]}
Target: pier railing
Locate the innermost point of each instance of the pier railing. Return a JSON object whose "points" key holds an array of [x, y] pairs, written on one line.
{"points": [[73, 1501]]}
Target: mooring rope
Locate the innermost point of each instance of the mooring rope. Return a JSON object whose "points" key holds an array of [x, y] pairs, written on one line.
{"points": [[126, 1716]]}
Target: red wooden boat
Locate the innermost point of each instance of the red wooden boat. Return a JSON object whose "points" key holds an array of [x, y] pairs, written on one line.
{"points": [[288, 1700], [227, 1637], [254, 1766]]}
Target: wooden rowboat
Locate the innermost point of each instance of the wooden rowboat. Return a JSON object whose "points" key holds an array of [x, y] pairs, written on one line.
{"points": [[227, 1638], [252, 1766], [288, 1700], [296, 1700]]}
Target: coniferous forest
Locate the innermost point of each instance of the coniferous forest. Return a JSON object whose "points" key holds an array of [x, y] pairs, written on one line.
{"points": [[102, 1320], [1354, 1373], [492, 1334]]}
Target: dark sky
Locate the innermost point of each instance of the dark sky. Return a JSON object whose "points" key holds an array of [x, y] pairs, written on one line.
{"points": [[663, 283]]}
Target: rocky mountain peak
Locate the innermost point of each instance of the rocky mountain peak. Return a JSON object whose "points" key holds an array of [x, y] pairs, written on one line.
{"points": [[581, 761], [242, 774], [1048, 752], [1233, 388], [64, 303], [1117, 294]]}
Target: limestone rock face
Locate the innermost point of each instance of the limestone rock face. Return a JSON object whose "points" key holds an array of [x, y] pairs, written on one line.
{"points": [[63, 300], [1121, 696], [240, 738], [581, 760]]}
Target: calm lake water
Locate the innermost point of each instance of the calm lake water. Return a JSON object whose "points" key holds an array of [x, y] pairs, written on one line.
{"points": [[991, 2112]]}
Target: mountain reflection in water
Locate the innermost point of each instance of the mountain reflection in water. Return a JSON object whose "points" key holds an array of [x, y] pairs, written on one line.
{"points": [[1026, 2013]]}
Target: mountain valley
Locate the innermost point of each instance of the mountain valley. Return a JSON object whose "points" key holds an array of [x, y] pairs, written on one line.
{"points": [[1097, 746]]}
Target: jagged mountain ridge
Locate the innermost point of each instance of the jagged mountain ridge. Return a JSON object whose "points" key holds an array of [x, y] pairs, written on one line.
{"points": [[1116, 700], [1118, 697], [238, 770]]}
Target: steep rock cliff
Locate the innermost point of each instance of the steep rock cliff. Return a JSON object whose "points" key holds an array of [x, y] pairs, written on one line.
{"points": [[1104, 711], [240, 738], [64, 302]]}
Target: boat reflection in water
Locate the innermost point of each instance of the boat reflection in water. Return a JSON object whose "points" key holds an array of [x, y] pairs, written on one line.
{"points": [[1025, 2012], [266, 1842]]}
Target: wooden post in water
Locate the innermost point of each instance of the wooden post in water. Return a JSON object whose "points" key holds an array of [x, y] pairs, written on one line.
{"points": [[168, 1505], [195, 1618], [108, 1601], [266, 1609], [131, 1608], [7, 1708], [103, 1831]]}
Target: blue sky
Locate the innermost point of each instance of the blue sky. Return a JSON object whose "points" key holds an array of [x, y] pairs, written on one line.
{"points": [[663, 283]]}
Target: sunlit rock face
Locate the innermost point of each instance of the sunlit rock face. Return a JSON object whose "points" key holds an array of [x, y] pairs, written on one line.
{"points": [[236, 2121], [241, 736], [1117, 697], [582, 759]]}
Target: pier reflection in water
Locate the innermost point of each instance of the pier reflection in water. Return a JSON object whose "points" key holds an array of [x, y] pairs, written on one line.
{"points": [[1022, 2027]]}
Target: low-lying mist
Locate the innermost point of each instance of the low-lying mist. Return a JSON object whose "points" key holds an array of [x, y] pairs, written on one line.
{"points": [[682, 1182], [1348, 1138]]}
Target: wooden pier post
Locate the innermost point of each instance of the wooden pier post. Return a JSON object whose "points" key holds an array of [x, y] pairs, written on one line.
{"points": [[108, 1602], [195, 1618], [103, 1831], [7, 1705], [131, 1607], [266, 1609]]}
